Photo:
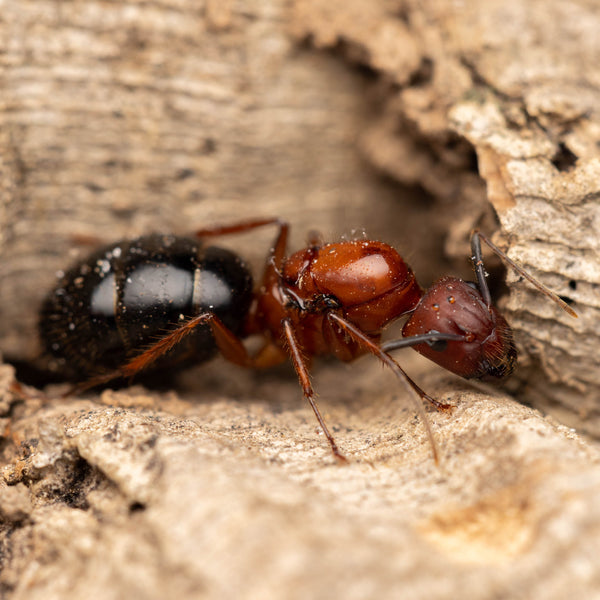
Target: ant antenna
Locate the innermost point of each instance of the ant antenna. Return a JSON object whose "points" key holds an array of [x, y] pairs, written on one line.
{"points": [[477, 259]]}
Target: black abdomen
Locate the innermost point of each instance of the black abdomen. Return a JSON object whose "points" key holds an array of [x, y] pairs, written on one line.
{"points": [[126, 296]]}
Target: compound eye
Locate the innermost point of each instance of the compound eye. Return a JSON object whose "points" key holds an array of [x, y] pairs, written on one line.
{"points": [[437, 345], [330, 302]]}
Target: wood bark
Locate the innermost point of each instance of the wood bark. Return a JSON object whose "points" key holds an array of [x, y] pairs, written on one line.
{"points": [[123, 118]]}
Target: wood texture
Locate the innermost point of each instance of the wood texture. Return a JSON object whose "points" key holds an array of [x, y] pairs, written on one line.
{"points": [[121, 118], [147, 495]]}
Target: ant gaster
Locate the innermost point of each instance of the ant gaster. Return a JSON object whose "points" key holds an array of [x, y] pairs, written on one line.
{"points": [[161, 301]]}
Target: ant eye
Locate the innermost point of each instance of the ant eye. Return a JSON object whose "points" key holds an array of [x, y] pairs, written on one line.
{"points": [[437, 345], [331, 302]]}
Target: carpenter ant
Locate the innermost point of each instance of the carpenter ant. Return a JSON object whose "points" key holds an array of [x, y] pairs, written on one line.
{"points": [[160, 301]]}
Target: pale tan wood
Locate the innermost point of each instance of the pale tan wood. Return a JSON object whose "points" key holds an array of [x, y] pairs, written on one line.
{"points": [[121, 118]]}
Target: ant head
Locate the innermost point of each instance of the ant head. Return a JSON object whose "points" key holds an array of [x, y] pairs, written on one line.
{"points": [[453, 306], [369, 281]]}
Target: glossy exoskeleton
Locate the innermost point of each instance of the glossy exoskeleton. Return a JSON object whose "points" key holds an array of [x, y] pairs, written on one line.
{"points": [[161, 300], [124, 297]]}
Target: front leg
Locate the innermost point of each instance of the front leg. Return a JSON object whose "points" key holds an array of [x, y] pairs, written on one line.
{"points": [[301, 367], [361, 338]]}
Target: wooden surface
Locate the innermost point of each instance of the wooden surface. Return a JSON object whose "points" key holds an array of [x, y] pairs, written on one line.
{"points": [[235, 494], [415, 121]]}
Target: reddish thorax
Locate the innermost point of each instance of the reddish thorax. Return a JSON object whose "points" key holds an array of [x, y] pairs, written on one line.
{"points": [[366, 282]]}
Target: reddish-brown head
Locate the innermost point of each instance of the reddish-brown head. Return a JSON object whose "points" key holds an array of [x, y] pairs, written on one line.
{"points": [[367, 280], [453, 306]]}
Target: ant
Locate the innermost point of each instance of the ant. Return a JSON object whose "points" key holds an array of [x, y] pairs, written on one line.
{"points": [[161, 301]]}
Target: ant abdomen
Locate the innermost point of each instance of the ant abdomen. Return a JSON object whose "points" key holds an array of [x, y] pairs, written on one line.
{"points": [[127, 295]]}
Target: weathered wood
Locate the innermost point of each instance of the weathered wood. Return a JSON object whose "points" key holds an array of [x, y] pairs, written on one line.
{"points": [[123, 118], [147, 495]]}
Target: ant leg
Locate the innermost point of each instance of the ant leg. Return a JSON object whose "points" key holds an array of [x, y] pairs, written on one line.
{"points": [[314, 239], [230, 346], [239, 227], [301, 368], [476, 238], [276, 253], [425, 338], [86, 239], [233, 350], [375, 349], [275, 257], [272, 273], [228, 343]]}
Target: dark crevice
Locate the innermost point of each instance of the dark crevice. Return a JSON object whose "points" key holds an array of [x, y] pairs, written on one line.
{"points": [[423, 75], [137, 507], [348, 51], [564, 159], [403, 14], [79, 486], [358, 55], [496, 278], [183, 174], [209, 146], [94, 187], [69, 481]]}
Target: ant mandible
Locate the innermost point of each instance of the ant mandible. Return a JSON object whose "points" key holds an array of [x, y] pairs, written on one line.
{"points": [[161, 301]]}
